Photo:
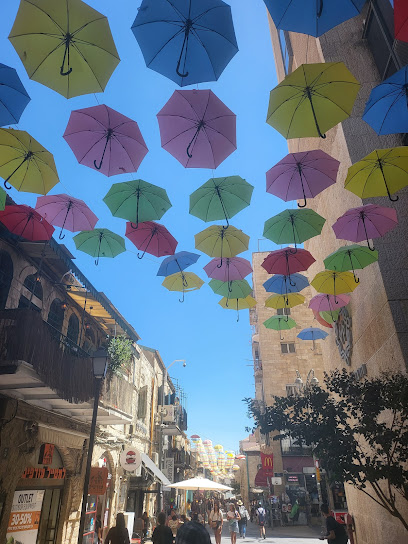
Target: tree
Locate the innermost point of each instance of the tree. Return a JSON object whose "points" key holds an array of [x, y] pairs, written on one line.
{"points": [[120, 353], [359, 429]]}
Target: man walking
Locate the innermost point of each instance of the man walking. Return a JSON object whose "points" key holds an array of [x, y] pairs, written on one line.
{"points": [[261, 515], [336, 532], [193, 532], [242, 523]]}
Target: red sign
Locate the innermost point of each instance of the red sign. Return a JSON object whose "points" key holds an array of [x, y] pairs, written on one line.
{"points": [[340, 517], [46, 454], [267, 463], [97, 481], [317, 464], [44, 473]]}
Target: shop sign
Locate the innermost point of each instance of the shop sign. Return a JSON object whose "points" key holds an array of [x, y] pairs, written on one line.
{"points": [[46, 473], [130, 459], [169, 468], [25, 517], [293, 478], [98, 480], [267, 463], [276, 481], [340, 517], [46, 454]]}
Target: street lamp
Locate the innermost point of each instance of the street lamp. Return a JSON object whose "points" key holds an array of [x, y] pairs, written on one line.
{"points": [[99, 367]]}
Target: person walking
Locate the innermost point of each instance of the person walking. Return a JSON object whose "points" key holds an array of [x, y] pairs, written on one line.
{"points": [[174, 524], [233, 518], [193, 532], [261, 515], [162, 534], [215, 520], [242, 523], [336, 532], [252, 513], [146, 523], [119, 533]]}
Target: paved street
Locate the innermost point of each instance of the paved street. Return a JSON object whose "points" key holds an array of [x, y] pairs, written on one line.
{"points": [[290, 535]]}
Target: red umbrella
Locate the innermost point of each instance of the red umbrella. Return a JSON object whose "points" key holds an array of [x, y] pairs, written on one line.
{"points": [[26, 222], [401, 20], [152, 238], [322, 321], [287, 261]]}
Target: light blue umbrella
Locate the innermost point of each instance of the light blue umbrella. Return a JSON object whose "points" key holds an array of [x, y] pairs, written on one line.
{"points": [[177, 263], [312, 333], [283, 285], [13, 96], [188, 41]]}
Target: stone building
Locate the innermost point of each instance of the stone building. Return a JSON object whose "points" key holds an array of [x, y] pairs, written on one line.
{"points": [[377, 339]]}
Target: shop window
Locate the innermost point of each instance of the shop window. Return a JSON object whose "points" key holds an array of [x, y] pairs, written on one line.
{"points": [[288, 347], [286, 50], [56, 314], [73, 328], [6, 277], [142, 403], [283, 311]]}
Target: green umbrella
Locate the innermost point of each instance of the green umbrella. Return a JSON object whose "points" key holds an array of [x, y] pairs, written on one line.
{"points": [[293, 226], [280, 323], [330, 316], [220, 197], [351, 257], [100, 243], [231, 289], [137, 201], [3, 195]]}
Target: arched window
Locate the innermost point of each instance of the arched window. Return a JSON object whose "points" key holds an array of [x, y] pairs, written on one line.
{"points": [[33, 285], [6, 276], [56, 314], [73, 329]]}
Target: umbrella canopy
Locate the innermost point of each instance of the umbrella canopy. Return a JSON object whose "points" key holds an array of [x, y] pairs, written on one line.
{"points": [[197, 129], [237, 304], [284, 301], [230, 269], [182, 282], [387, 110], [312, 333], [334, 283], [281, 285], [105, 140], [13, 96], [65, 45], [177, 263], [100, 243], [223, 242], [364, 223], [24, 221], [137, 201], [293, 226], [401, 20], [280, 323], [3, 196], [312, 99], [328, 317], [286, 261], [231, 289], [66, 212], [328, 303], [353, 257], [25, 163], [302, 175], [313, 17], [220, 198], [188, 42], [381, 173], [151, 237], [200, 484]]}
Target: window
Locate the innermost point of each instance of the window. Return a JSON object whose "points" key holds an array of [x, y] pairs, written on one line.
{"points": [[6, 277], [73, 328], [33, 284], [283, 311], [286, 50], [142, 403], [56, 314], [288, 347]]}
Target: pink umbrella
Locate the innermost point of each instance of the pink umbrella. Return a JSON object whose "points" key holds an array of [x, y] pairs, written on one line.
{"points": [[365, 222], [302, 175], [66, 212], [24, 221], [328, 303], [287, 261], [105, 140], [151, 237], [197, 129], [228, 270]]}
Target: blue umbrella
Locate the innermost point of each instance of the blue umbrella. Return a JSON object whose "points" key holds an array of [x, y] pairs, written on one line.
{"points": [[312, 333], [313, 17], [188, 41], [282, 285], [387, 108], [13, 96], [177, 263]]}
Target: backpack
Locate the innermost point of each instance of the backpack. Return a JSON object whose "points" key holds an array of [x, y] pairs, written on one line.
{"points": [[261, 514]]}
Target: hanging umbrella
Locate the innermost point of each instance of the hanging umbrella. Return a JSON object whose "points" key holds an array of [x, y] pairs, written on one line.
{"points": [[177, 263], [312, 17], [293, 226], [284, 301], [65, 45], [223, 242], [197, 129], [401, 20], [13, 96], [3, 196], [312, 333], [328, 303], [231, 289], [200, 484], [24, 221], [234, 268], [364, 223], [334, 283], [182, 282], [105, 140], [312, 99], [25, 163], [327, 317], [280, 284], [381, 173], [353, 257], [137, 201], [280, 323], [387, 110], [286, 261], [321, 320], [237, 304], [302, 175], [220, 198], [66, 212], [100, 243], [188, 42], [151, 238]]}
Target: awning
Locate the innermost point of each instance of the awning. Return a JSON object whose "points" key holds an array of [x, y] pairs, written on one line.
{"points": [[158, 474], [63, 438]]}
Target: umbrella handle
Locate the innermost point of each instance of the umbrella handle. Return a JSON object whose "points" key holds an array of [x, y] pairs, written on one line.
{"points": [[61, 236], [320, 10], [185, 44], [309, 95], [386, 185], [108, 137], [303, 187], [65, 73], [62, 73], [26, 158], [99, 249], [182, 300], [147, 245], [6, 185]]}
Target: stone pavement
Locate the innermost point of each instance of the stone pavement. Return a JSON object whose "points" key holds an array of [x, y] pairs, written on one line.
{"points": [[277, 535]]}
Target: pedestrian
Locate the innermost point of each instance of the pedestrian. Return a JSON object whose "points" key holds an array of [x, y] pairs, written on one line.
{"points": [[174, 525], [146, 524], [252, 513], [242, 523], [193, 532], [336, 532], [119, 533], [98, 529], [233, 518], [215, 520], [261, 515], [162, 534]]}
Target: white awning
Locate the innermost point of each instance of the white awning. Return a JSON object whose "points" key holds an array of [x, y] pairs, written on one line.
{"points": [[148, 463]]}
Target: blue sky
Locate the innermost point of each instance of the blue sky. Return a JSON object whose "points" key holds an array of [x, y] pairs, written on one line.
{"points": [[217, 348]]}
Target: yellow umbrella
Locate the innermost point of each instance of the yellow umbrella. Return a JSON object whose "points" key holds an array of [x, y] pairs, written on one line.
{"points": [[237, 303], [219, 241], [182, 281], [284, 301], [334, 283], [65, 45], [381, 173], [25, 163]]}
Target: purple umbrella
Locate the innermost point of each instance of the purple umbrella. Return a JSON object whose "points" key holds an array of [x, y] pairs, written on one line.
{"points": [[66, 212], [197, 129], [105, 140], [364, 223], [302, 175], [231, 269]]}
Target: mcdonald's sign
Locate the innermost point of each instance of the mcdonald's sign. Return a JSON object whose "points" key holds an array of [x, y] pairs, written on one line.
{"points": [[267, 463]]}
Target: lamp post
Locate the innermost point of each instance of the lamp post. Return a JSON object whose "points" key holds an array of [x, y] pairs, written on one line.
{"points": [[99, 368]]}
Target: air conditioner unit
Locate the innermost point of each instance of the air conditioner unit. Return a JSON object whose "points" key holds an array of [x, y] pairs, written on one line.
{"points": [[168, 413], [155, 458]]}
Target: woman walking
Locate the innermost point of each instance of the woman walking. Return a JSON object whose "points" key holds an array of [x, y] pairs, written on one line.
{"points": [[242, 523], [233, 517], [119, 533], [215, 520]]}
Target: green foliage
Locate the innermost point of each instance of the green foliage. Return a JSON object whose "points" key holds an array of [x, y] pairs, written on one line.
{"points": [[120, 353], [359, 429]]}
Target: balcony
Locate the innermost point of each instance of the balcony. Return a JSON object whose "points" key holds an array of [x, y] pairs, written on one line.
{"points": [[181, 458], [297, 451]]}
